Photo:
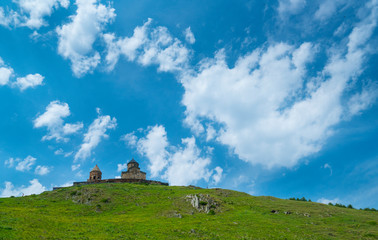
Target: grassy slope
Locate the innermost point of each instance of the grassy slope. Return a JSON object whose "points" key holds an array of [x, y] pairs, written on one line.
{"points": [[136, 211]]}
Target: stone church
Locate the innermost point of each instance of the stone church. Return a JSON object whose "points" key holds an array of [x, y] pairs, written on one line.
{"points": [[132, 175]]}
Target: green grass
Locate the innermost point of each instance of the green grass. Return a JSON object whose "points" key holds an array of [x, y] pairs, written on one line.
{"points": [[138, 211]]}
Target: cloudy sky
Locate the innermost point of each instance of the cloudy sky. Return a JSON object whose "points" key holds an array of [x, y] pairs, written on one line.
{"points": [[273, 97]]}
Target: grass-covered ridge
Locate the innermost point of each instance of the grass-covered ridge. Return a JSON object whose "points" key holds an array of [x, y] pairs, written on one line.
{"points": [[136, 211]]}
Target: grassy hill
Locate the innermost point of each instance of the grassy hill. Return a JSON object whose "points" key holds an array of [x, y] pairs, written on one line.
{"points": [[137, 211]]}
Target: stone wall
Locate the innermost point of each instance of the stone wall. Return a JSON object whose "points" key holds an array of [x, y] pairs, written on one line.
{"points": [[120, 180], [133, 175], [133, 172]]}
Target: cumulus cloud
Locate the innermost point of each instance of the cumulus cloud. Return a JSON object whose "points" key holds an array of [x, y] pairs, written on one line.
{"points": [[36, 10], [96, 132], [52, 119], [180, 165], [77, 37], [148, 46], [30, 81], [127, 46], [189, 36], [19, 164], [26, 164], [275, 118], [35, 187], [153, 146], [121, 167], [5, 72], [217, 175], [42, 170]]}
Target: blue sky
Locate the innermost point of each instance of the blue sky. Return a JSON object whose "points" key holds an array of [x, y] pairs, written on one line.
{"points": [[270, 98]]}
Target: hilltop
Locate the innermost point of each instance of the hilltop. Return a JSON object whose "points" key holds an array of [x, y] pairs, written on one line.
{"points": [[140, 211]]}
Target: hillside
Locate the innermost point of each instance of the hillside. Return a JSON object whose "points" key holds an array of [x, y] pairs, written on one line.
{"points": [[137, 211]]}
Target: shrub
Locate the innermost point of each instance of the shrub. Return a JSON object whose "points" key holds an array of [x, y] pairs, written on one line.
{"points": [[202, 203], [211, 212], [105, 200]]}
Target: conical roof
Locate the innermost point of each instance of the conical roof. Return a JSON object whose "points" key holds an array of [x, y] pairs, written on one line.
{"points": [[133, 161], [96, 169]]}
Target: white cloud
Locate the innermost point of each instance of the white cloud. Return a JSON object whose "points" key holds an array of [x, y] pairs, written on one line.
{"points": [[26, 164], [60, 151], [67, 154], [153, 146], [130, 139], [275, 118], [5, 74], [121, 167], [189, 36], [52, 119], [327, 9], [4, 20], [326, 201], [218, 175], [77, 37], [290, 6], [186, 166], [127, 46], [210, 132], [329, 167], [34, 188], [42, 170], [96, 132], [30, 81], [148, 46], [66, 184], [10, 162], [7, 19], [180, 165], [363, 100], [38, 9], [75, 167], [5, 71]]}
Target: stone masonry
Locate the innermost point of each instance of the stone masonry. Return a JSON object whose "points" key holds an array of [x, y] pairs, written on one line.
{"points": [[132, 175]]}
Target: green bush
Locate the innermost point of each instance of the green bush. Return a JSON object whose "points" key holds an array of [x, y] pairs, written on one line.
{"points": [[202, 203]]}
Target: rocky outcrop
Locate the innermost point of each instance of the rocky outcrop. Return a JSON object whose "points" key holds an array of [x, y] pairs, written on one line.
{"points": [[203, 203]]}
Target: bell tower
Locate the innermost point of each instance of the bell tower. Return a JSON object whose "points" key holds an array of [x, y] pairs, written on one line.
{"points": [[95, 174]]}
